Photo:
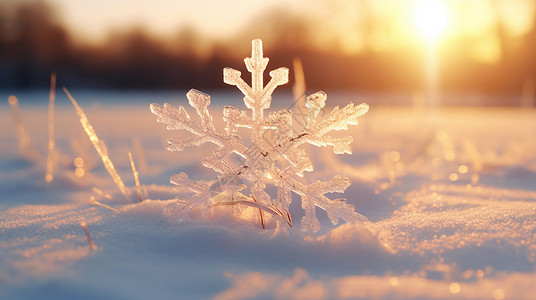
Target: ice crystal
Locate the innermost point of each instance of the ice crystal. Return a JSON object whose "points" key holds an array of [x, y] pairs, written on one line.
{"points": [[280, 160]]}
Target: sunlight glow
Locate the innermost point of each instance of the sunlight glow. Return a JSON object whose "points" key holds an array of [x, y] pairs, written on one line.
{"points": [[79, 172], [431, 18], [455, 288], [79, 162]]}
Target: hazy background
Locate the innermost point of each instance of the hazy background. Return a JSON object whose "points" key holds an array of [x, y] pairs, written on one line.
{"points": [[487, 47]]}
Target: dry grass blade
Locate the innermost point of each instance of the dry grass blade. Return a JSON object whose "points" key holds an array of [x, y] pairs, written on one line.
{"points": [[288, 220], [95, 202], [260, 213], [92, 245], [299, 88], [271, 210], [99, 146]]}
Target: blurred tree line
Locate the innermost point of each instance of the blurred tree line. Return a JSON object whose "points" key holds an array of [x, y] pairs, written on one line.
{"points": [[33, 44]]}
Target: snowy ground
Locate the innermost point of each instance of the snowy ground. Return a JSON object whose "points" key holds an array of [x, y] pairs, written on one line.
{"points": [[450, 195]]}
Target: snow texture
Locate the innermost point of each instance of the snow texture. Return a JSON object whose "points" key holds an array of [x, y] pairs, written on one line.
{"points": [[274, 156], [431, 235]]}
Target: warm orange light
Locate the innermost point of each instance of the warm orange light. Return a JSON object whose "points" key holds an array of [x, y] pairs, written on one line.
{"points": [[455, 288], [79, 162], [430, 17], [79, 172]]}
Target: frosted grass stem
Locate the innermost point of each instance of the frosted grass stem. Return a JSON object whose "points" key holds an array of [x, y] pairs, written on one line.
{"points": [[140, 154], [99, 192], [99, 146], [95, 202], [136, 176], [23, 138], [51, 156]]}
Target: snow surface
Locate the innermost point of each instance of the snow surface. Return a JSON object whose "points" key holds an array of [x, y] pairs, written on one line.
{"points": [[450, 195]]}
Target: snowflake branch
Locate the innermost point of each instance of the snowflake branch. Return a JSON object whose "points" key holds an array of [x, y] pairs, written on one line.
{"points": [[178, 118], [279, 77], [338, 119], [232, 77], [236, 118], [313, 195], [200, 101], [202, 195]]}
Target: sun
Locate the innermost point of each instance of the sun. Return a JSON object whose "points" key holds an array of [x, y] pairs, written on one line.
{"points": [[430, 18]]}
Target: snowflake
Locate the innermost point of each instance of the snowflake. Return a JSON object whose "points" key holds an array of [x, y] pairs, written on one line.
{"points": [[280, 160]]}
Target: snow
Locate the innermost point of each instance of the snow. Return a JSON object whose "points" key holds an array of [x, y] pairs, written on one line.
{"points": [[431, 235]]}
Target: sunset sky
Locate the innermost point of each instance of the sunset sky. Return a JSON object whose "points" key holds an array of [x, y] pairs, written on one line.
{"points": [[340, 22], [93, 19], [494, 39]]}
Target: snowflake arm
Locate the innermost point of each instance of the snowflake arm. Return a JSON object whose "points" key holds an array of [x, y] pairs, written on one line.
{"points": [[257, 97], [312, 195], [202, 196], [338, 119], [178, 118]]}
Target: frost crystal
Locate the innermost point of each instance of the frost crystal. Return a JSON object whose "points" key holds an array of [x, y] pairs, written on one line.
{"points": [[274, 156]]}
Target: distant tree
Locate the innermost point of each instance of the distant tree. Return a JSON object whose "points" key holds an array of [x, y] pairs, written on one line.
{"points": [[33, 43]]}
